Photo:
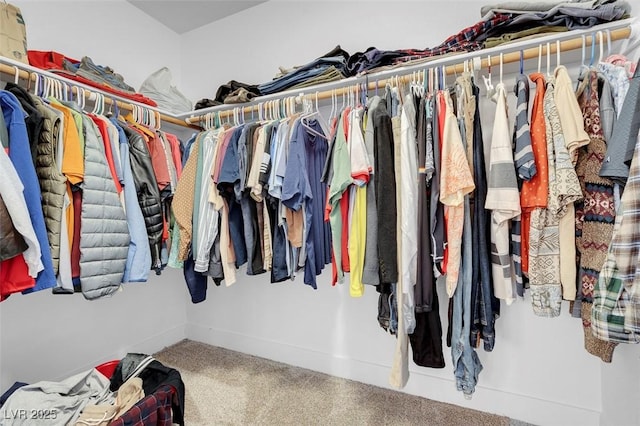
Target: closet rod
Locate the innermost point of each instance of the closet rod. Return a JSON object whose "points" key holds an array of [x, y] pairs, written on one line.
{"points": [[28, 73], [454, 64]]}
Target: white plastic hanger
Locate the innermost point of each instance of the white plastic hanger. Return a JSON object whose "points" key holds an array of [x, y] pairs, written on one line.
{"points": [[539, 57], [601, 45], [488, 84], [548, 59]]}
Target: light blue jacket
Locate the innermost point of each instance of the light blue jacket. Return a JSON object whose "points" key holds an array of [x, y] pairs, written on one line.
{"points": [[139, 255]]}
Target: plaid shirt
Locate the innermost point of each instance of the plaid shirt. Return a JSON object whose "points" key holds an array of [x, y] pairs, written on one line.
{"points": [[152, 410], [467, 40], [615, 315]]}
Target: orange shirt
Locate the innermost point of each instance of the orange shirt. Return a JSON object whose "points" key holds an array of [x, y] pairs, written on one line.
{"points": [[534, 192]]}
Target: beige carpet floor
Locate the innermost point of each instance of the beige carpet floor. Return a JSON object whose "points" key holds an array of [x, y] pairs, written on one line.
{"points": [[229, 388]]}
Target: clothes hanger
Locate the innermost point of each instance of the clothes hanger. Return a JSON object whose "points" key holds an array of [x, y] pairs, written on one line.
{"points": [[548, 59], [558, 52], [309, 112], [601, 46], [16, 75], [539, 57], [109, 113], [137, 120], [488, 84], [45, 87], [593, 49], [96, 103], [39, 86], [521, 62]]}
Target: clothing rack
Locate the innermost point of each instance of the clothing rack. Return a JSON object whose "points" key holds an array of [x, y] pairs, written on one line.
{"points": [[448, 65], [28, 73]]}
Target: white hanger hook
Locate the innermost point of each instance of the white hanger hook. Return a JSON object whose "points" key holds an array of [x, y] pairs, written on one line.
{"points": [[539, 57]]}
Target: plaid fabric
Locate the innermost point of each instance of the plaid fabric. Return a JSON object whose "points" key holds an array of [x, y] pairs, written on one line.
{"points": [[615, 315], [467, 40], [154, 409]]}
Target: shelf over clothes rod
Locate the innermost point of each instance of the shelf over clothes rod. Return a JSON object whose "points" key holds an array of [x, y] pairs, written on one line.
{"points": [[451, 64], [30, 73]]}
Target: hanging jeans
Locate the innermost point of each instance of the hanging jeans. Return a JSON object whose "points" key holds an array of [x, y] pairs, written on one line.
{"points": [[466, 363]]}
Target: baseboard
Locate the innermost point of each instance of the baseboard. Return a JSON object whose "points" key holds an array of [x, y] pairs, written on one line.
{"points": [[521, 407], [149, 345]]}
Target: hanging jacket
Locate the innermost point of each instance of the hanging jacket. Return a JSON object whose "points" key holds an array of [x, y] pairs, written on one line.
{"points": [[20, 155], [52, 181], [148, 192], [33, 120], [104, 241], [11, 242], [139, 257]]}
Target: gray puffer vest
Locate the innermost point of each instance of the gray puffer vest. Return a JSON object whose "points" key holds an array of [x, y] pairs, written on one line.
{"points": [[104, 240]]}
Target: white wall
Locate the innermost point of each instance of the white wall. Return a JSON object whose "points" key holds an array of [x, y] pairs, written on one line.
{"points": [[45, 336], [49, 337], [112, 32], [538, 372]]}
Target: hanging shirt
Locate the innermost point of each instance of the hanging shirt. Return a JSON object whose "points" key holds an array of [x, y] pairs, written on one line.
{"points": [[535, 191], [183, 201], [526, 169], [575, 137], [409, 209], [307, 156], [174, 143], [340, 181], [456, 181], [503, 199], [227, 254], [385, 193], [360, 176], [71, 157], [207, 225], [370, 272], [595, 217]]}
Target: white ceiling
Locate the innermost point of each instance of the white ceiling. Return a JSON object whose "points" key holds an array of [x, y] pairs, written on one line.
{"points": [[183, 16]]}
